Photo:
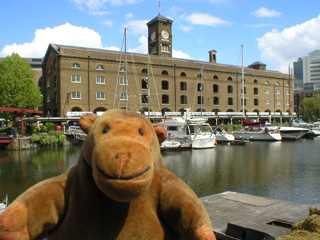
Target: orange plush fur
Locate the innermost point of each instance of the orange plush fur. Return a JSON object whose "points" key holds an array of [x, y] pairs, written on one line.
{"points": [[120, 189]]}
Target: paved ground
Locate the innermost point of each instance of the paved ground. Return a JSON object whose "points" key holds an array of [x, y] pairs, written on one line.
{"points": [[241, 216]]}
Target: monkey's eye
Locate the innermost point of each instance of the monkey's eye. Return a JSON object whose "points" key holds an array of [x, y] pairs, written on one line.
{"points": [[140, 132], [106, 129]]}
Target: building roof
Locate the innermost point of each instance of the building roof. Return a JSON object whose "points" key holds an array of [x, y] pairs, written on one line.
{"points": [[159, 18]]}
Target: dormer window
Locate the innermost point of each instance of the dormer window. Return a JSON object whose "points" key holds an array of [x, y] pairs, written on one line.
{"points": [[100, 68], [76, 66]]}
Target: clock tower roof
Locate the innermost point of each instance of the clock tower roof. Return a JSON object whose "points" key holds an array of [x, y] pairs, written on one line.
{"points": [[160, 18]]}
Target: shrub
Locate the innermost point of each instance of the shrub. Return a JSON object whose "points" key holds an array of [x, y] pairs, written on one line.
{"points": [[50, 138]]}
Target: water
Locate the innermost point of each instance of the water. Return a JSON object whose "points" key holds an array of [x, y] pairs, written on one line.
{"points": [[283, 170]]}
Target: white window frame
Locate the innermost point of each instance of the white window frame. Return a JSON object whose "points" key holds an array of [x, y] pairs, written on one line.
{"points": [[278, 91], [267, 101], [278, 102], [267, 91], [287, 102], [287, 92], [76, 78], [100, 80], [100, 67], [75, 66], [76, 95], [101, 96], [123, 81], [123, 97]]}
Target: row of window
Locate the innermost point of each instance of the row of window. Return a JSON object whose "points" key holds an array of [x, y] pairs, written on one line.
{"points": [[165, 99], [165, 85], [165, 48]]}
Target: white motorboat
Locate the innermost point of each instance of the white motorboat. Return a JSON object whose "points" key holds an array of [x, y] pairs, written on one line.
{"points": [[189, 132], [257, 131], [4, 204], [222, 136], [292, 133]]}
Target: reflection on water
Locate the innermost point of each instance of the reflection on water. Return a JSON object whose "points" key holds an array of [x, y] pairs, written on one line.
{"points": [[284, 170]]}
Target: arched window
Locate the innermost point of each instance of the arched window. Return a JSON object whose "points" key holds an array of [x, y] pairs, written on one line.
{"points": [[230, 79], [100, 68], [101, 96], [245, 90], [144, 98], [267, 91], [76, 79], [200, 87], [122, 69], [256, 91], [215, 77], [164, 72], [278, 91], [215, 101], [144, 83], [165, 99], [183, 86], [230, 101], [76, 95], [200, 100], [76, 66], [256, 102], [255, 81], [215, 88], [183, 74], [230, 89], [165, 85], [199, 76], [144, 70], [183, 99]]}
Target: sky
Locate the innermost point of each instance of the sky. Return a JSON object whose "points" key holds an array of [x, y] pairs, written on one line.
{"points": [[274, 32]]}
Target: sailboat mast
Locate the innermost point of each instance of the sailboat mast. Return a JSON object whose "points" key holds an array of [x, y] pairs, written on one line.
{"points": [[201, 73], [126, 71], [242, 80]]}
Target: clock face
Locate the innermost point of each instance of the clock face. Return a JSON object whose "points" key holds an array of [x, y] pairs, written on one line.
{"points": [[165, 34], [153, 35]]}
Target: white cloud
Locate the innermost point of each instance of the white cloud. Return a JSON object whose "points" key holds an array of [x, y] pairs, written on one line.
{"points": [[180, 54], [206, 19], [129, 16], [186, 28], [66, 34], [281, 48], [265, 12], [137, 27], [143, 48], [107, 23]]}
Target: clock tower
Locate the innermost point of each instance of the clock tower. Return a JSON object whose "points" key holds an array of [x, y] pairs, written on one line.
{"points": [[160, 36]]}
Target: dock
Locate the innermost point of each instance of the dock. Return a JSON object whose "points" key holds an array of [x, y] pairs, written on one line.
{"points": [[238, 216]]}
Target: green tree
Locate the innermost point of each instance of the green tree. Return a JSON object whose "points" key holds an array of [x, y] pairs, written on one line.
{"points": [[310, 108], [17, 87]]}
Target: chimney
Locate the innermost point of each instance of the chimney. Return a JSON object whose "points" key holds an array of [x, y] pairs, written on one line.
{"points": [[213, 56]]}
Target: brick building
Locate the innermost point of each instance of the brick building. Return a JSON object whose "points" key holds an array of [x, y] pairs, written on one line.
{"points": [[93, 80]]}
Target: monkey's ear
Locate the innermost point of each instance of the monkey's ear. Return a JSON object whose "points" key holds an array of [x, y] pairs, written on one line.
{"points": [[87, 120], [161, 133]]}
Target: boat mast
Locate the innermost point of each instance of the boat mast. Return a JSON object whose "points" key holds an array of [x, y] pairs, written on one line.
{"points": [[125, 66], [242, 80], [201, 72]]}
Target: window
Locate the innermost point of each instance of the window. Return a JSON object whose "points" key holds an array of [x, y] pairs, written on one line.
{"points": [[101, 96], [122, 69], [277, 84], [123, 82], [278, 91], [229, 78], [215, 101], [287, 92], [123, 96], [256, 91], [267, 91], [165, 85], [278, 102], [100, 68], [75, 65], [144, 70], [245, 102], [256, 102], [200, 100], [287, 102], [200, 87], [164, 72], [76, 79], [230, 89], [183, 74], [48, 83], [215, 77], [183, 86], [100, 80], [245, 90], [165, 99], [165, 48], [230, 101], [144, 98], [255, 81], [215, 88], [76, 95], [267, 101], [144, 83], [183, 99], [48, 98], [267, 82], [55, 81]]}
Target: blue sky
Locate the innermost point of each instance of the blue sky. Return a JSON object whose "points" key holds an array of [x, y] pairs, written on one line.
{"points": [[275, 32]]}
